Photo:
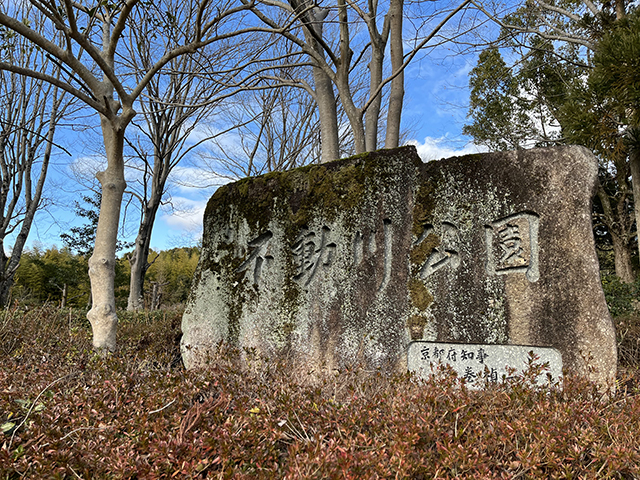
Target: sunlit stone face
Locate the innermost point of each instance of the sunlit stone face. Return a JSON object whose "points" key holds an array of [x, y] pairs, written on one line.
{"points": [[348, 262]]}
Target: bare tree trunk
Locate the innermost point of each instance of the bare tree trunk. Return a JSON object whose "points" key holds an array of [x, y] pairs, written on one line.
{"points": [[63, 302], [324, 94], [342, 81], [396, 97], [5, 286], [139, 261], [372, 115], [618, 222], [102, 263], [622, 259], [634, 166], [620, 9], [154, 296], [327, 110]]}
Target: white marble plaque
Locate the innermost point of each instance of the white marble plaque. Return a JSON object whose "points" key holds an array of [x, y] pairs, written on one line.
{"points": [[478, 364]]}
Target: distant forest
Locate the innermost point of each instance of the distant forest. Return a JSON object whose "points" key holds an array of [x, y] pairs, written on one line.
{"points": [[61, 277]]}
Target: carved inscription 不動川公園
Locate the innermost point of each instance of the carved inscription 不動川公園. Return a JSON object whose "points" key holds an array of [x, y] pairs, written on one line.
{"points": [[512, 245], [445, 254], [312, 251]]}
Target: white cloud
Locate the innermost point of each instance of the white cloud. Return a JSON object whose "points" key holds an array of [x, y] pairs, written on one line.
{"points": [[186, 215], [437, 148], [84, 168]]}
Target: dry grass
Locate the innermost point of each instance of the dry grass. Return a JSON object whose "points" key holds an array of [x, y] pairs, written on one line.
{"points": [[67, 413]]}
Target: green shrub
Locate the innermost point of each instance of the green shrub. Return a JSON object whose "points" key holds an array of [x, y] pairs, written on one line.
{"points": [[621, 297]]}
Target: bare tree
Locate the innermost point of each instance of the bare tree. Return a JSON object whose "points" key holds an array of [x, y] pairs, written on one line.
{"points": [[173, 106], [91, 51], [332, 39], [268, 130], [29, 112]]}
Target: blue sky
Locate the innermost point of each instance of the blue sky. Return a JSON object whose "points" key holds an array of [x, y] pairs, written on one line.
{"points": [[434, 113]]}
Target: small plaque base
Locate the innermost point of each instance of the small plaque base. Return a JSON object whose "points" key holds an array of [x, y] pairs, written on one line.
{"points": [[478, 364]]}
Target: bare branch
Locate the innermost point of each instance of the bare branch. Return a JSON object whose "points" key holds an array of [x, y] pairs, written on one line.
{"points": [[54, 81], [414, 52]]}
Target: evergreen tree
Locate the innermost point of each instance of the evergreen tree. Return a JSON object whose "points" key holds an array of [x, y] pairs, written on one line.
{"points": [[499, 113], [573, 79], [82, 238]]}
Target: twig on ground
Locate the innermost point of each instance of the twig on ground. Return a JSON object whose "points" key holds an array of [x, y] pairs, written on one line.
{"points": [[166, 406], [34, 403]]}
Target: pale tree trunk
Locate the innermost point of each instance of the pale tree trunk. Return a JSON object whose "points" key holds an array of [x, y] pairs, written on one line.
{"points": [[102, 315], [63, 302], [354, 114], [372, 115], [396, 96], [324, 94], [154, 296], [342, 81], [620, 9], [327, 112], [634, 166]]}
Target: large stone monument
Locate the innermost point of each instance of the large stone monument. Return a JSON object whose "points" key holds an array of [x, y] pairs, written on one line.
{"points": [[348, 262]]}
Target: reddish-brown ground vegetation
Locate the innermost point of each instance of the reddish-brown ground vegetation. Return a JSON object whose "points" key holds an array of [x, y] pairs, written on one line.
{"points": [[66, 413]]}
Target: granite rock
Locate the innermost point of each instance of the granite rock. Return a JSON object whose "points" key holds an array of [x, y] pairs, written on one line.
{"points": [[347, 262]]}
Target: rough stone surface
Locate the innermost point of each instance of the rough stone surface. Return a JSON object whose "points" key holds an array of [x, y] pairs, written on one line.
{"points": [[482, 364], [347, 262]]}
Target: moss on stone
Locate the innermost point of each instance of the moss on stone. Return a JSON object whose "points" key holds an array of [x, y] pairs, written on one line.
{"points": [[420, 297], [420, 253], [325, 191], [416, 324]]}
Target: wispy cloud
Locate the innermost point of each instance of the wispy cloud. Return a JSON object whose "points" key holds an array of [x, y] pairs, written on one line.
{"points": [[443, 147], [188, 179]]}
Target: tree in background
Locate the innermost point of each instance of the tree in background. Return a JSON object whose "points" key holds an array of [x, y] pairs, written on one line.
{"points": [[52, 275], [30, 110], [82, 238], [277, 129], [91, 50], [170, 276], [500, 116], [548, 101], [616, 79], [346, 45], [176, 104]]}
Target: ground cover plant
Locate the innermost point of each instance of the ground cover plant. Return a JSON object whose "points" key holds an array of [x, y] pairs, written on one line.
{"points": [[66, 413]]}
